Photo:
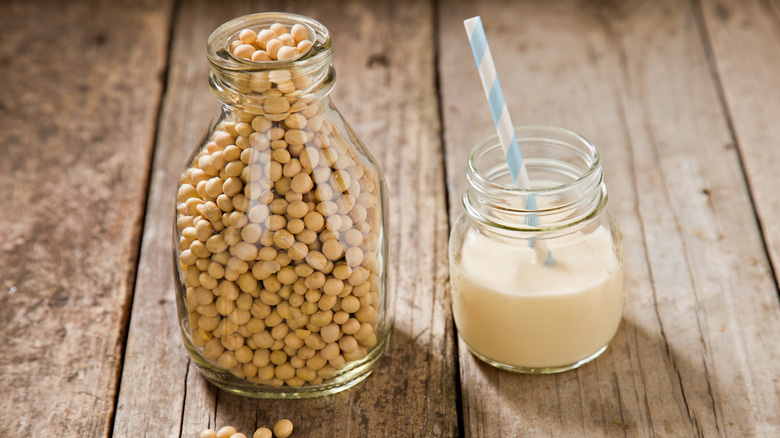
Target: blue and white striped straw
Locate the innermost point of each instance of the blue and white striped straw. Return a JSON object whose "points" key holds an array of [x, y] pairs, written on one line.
{"points": [[504, 126], [501, 119]]}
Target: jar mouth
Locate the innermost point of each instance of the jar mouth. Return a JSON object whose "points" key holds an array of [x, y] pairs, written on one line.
{"points": [[219, 55], [540, 135], [566, 179]]}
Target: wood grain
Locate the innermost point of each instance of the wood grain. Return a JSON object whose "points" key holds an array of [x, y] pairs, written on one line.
{"points": [[82, 83], [678, 96], [696, 350], [155, 372], [386, 90], [743, 39]]}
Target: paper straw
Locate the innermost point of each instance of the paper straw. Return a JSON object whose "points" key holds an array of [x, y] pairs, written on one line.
{"points": [[501, 119]]}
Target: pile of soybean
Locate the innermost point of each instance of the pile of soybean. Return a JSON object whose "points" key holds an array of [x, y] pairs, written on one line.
{"points": [[279, 226], [282, 429], [271, 44]]}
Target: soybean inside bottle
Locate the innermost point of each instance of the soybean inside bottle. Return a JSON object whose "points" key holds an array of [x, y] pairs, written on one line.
{"points": [[280, 231]]}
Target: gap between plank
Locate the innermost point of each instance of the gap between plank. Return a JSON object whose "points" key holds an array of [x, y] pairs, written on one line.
{"points": [[184, 399], [698, 13], [443, 151]]}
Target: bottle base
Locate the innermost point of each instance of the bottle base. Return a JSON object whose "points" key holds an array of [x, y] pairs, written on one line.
{"points": [[538, 370], [348, 377]]}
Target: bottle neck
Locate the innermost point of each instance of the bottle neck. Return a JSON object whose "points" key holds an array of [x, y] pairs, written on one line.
{"points": [[567, 187], [249, 85]]}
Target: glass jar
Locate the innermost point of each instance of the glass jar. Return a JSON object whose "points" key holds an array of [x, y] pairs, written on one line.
{"points": [[536, 274], [280, 229]]}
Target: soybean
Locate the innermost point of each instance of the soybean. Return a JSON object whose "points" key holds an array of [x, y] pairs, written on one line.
{"points": [[283, 428]]}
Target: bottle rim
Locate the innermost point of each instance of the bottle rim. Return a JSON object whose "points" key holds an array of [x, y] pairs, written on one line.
{"points": [[219, 56], [231, 77]]}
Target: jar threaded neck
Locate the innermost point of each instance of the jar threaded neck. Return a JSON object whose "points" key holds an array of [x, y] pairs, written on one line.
{"points": [[566, 178]]}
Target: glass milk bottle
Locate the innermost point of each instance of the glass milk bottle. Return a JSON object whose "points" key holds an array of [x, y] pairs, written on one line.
{"points": [[536, 275], [280, 246]]}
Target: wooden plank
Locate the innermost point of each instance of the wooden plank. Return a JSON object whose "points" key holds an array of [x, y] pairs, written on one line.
{"points": [[155, 371], [697, 348], [734, 306], [78, 108], [386, 90], [744, 37]]}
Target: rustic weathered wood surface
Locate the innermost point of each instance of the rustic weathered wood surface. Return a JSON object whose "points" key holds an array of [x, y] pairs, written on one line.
{"points": [[81, 87], [692, 356], [101, 103]]}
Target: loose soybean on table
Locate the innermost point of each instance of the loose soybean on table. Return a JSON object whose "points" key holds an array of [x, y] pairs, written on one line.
{"points": [[102, 102]]}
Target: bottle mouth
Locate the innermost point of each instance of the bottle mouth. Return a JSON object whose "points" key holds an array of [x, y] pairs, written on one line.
{"points": [[218, 49], [565, 174], [242, 82]]}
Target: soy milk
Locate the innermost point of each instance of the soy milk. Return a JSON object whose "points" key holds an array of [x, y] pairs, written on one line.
{"points": [[515, 311]]}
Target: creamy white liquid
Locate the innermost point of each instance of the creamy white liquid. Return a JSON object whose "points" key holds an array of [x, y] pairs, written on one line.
{"points": [[512, 309]]}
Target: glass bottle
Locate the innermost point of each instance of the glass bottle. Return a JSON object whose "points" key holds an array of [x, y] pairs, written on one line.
{"points": [[536, 274], [280, 228]]}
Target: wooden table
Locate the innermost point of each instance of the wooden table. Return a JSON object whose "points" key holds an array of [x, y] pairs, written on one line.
{"points": [[101, 103]]}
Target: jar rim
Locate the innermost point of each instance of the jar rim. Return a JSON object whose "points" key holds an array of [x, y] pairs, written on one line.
{"points": [[490, 143]]}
